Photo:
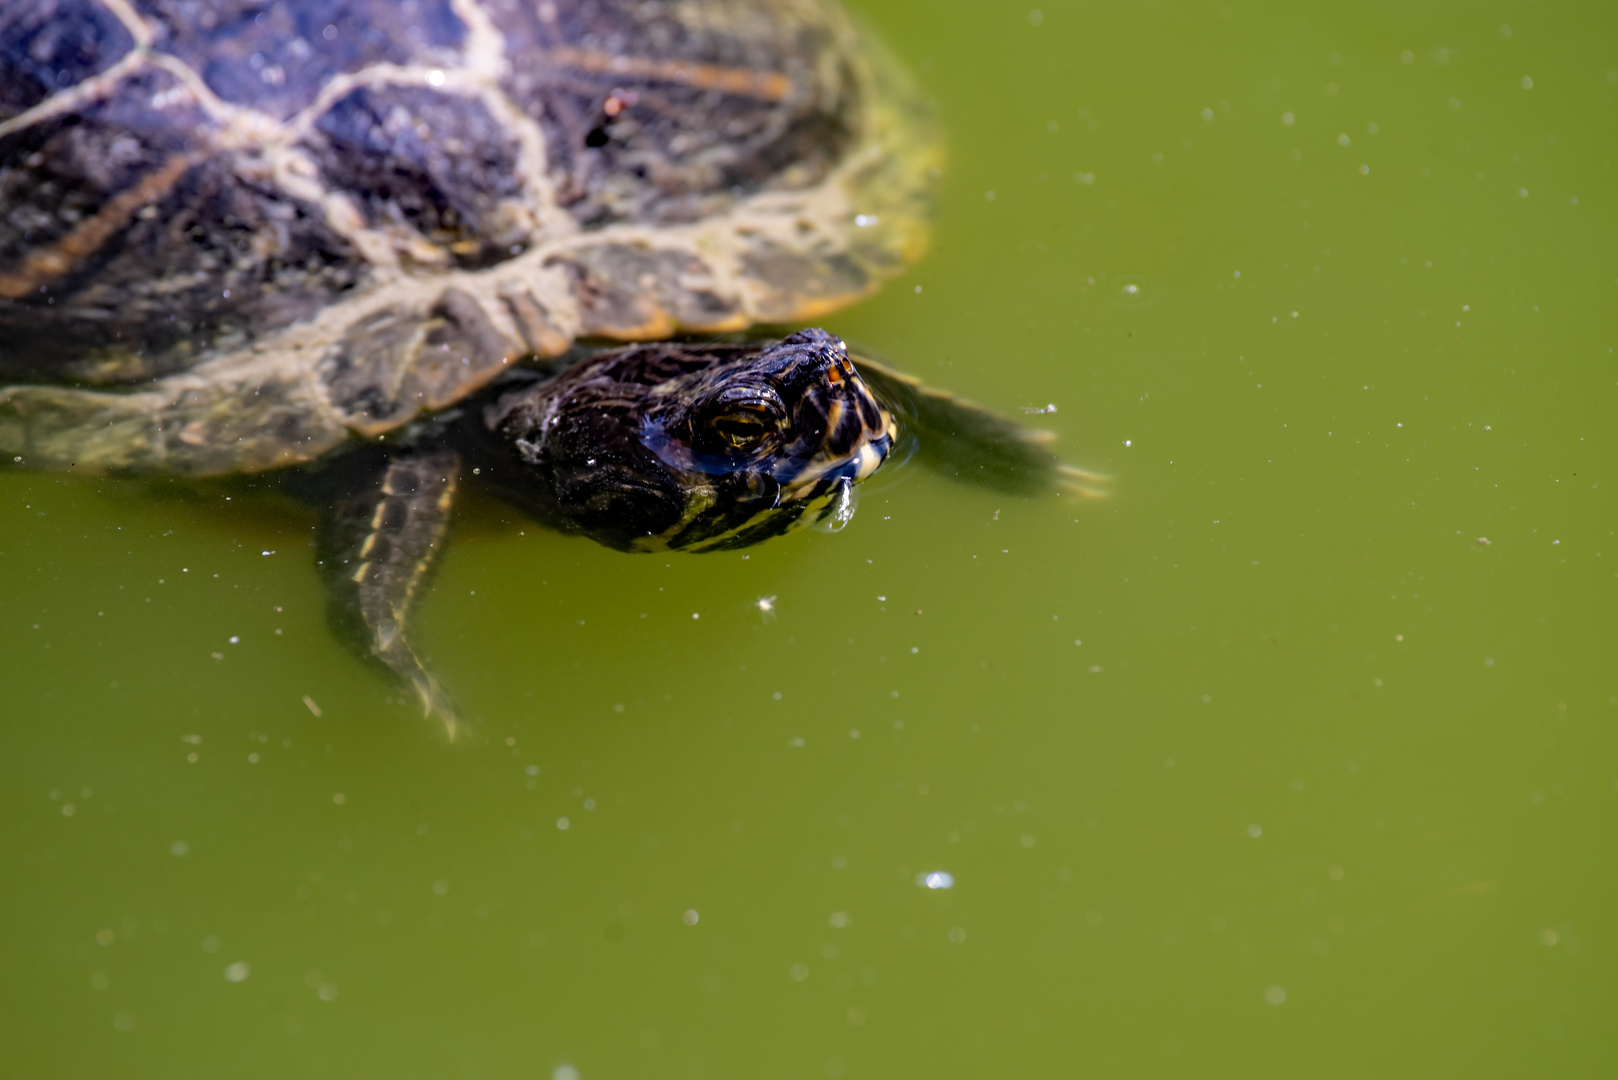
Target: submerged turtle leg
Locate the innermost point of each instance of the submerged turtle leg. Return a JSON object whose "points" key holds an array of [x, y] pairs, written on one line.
{"points": [[382, 525], [970, 443]]}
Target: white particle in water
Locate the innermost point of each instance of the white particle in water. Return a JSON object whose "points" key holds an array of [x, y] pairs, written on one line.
{"points": [[562, 823], [936, 879], [865, 221], [238, 972], [1275, 995], [179, 849], [435, 78]]}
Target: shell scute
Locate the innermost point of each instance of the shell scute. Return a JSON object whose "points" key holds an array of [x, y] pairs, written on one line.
{"points": [[640, 293], [277, 57], [400, 361], [127, 250], [430, 163], [669, 113], [50, 45]]}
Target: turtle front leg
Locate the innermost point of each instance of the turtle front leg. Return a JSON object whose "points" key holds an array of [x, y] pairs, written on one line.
{"points": [[975, 445], [382, 525]]}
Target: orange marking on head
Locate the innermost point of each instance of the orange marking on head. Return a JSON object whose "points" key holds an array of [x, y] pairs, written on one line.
{"points": [[768, 85]]}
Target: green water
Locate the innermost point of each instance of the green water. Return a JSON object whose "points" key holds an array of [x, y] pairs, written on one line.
{"points": [[1328, 789]]}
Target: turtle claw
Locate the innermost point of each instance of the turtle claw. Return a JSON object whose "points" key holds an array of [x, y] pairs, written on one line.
{"points": [[1082, 482], [435, 701], [1077, 473]]}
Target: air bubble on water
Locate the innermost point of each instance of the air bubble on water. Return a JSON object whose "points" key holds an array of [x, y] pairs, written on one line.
{"points": [[564, 1072], [238, 972], [179, 848], [1130, 288], [1275, 995]]}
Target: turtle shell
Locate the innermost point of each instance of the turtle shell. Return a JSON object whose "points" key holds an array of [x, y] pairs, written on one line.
{"points": [[233, 232]]}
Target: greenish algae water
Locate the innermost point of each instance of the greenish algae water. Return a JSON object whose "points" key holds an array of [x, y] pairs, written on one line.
{"points": [[1328, 789]]}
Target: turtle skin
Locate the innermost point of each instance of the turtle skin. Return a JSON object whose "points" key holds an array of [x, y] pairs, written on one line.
{"points": [[235, 232]]}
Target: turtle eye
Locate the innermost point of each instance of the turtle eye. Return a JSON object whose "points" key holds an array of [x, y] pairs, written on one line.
{"points": [[741, 429]]}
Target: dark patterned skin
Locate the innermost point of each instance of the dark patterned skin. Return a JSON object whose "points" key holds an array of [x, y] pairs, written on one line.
{"points": [[682, 446]]}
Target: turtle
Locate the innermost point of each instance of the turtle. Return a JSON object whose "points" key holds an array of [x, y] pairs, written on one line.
{"points": [[394, 248]]}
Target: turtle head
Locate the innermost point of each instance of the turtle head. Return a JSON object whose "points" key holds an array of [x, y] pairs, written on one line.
{"points": [[696, 447]]}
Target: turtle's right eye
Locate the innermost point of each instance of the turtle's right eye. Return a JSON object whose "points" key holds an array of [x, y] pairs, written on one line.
{"points": [[742, 429]]}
